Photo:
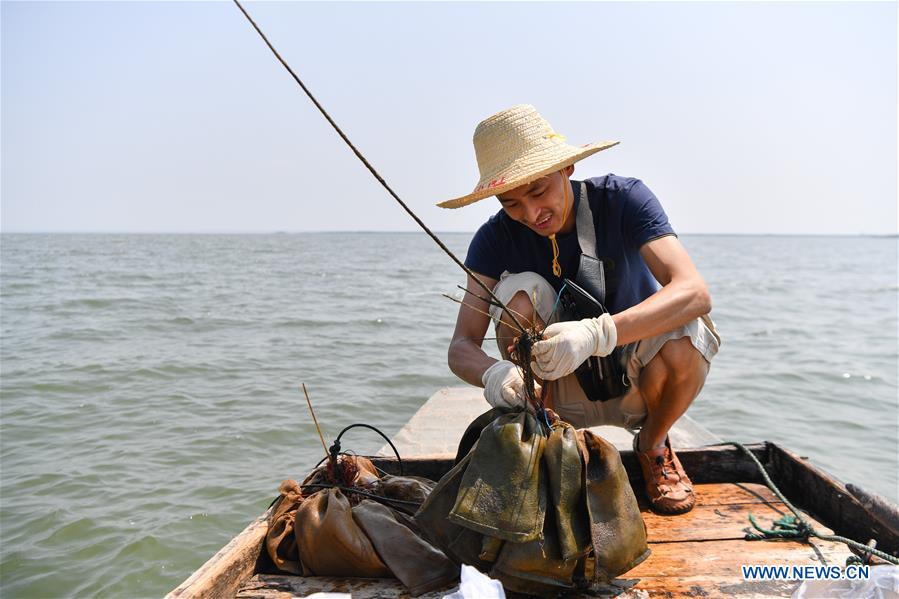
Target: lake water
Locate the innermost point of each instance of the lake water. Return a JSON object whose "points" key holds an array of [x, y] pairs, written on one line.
{"points": [[151, 399]]}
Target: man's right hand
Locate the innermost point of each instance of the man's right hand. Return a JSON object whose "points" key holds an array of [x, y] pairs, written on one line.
{"points": [[503, 385]]}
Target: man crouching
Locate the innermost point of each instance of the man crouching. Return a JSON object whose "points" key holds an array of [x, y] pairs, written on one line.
{"points": [[608, 235]]}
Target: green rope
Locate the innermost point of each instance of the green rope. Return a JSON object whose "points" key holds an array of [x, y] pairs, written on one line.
{"points": [[787, 527], [795, 526]]}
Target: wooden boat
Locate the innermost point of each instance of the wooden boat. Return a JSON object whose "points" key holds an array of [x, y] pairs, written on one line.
{"points": [[697, 554]]}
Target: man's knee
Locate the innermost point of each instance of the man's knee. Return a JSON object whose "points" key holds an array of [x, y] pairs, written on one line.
{"points": [[683, 363], [506, 329], [678, 363], [523, 307]]}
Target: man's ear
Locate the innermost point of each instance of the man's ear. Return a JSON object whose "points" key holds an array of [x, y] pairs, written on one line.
{"points": [[568, 170]]}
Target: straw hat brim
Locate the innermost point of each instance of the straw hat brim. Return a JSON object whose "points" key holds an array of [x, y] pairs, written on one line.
{"points": [[536, 171]]}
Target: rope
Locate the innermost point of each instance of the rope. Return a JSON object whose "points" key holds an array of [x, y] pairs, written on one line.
{"points": [[795, 526], [372, 170], [557, 268]]}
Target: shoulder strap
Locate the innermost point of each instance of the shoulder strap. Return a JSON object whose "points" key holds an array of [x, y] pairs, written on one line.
{"points": [[590, 274], [586, 230]]}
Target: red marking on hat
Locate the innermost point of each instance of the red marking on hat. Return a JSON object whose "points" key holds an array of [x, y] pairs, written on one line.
{"points": [[492, 184]]}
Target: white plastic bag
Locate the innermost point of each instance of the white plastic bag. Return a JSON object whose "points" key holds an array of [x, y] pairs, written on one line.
{"points": [[883, 583], [475, 585]]}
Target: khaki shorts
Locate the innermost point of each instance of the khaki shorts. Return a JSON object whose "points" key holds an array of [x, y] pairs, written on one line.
{"points": [[629, 410]]}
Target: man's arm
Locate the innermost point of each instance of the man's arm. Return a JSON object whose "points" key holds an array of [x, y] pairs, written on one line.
{"points": [[465, 357], [683, 296]]}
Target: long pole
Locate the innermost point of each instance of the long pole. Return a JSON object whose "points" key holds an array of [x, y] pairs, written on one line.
{"points": [[374, 173]]}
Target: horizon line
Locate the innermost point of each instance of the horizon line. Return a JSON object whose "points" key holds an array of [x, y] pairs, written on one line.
{"points": [[395, 232]]}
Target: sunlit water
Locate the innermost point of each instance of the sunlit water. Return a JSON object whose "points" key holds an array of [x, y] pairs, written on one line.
{"points": [[150, 383]]}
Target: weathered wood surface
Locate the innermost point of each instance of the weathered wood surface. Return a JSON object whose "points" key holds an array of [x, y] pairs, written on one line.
{"points": [[695, 554], [674, 587], [734, 494], [724, 557], [273, 586], [228, 569], [438, 425], [276, 586], [715, 522]]}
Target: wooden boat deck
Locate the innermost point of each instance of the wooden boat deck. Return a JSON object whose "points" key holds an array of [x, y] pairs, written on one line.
{"points": [[697, 554]]}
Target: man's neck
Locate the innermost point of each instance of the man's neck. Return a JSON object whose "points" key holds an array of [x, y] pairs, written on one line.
{"points": [[568, 225]]}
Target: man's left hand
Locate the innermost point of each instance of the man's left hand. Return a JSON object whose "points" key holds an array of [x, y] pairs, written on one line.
{"points": [[566, 345]]}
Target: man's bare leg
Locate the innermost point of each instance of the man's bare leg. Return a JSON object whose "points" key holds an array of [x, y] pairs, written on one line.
{"points": [[669, 384]]}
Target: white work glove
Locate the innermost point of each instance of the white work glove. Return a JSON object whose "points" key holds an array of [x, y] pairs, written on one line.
{"points": [[566, 345], [503, 385]]}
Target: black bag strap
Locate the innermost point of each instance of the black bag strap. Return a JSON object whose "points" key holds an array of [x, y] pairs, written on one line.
{"points": [[590, 275]]}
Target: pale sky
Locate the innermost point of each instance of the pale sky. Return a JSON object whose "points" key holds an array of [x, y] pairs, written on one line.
{"points": [[154, 117]]}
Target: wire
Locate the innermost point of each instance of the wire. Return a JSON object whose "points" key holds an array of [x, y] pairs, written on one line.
{"points": [[556, 304], [365, 493], [335, 447]]}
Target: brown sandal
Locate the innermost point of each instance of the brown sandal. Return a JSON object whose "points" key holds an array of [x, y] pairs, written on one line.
{"points": [[667, 486]]}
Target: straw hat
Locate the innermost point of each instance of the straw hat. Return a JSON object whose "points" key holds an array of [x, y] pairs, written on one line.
{"points": [[517, 146]]}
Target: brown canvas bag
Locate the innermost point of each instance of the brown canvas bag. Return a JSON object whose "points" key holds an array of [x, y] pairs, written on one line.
{"points": [[591, 530], [330, 542], [617, 529], [418, 565], [565, 485], [280, 542], [460, 544], [500, 492]]}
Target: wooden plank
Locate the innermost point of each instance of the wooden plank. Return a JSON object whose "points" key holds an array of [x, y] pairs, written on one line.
{"points": [[269, 586], [733, 494], [724, 558], [223, 574], [716, 522], [274, 586], [713, 572], [672, 587]]}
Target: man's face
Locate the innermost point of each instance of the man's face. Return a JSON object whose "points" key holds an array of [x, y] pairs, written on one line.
{"points": [[541, 205]]}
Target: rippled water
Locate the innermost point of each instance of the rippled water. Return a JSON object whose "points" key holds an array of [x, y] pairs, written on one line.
{"points": [[150, 383]]}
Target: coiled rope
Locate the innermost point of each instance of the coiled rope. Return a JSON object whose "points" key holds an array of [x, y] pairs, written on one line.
{"points": [[795, 526]]}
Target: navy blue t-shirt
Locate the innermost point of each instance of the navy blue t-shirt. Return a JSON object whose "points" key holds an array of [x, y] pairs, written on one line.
{"points": [[626, 215]]}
